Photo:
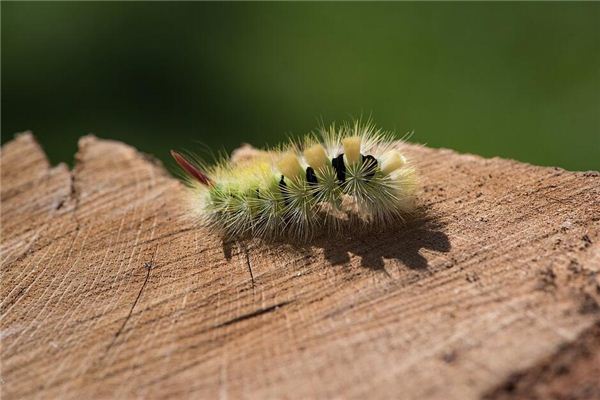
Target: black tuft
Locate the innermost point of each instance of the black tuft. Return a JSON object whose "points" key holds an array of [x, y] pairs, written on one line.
{"points": [[311, 178], [370, 164], [340, 168], [284, 191]]}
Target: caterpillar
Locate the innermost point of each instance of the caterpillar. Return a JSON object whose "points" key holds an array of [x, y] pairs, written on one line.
{"points": [[337, 179]]}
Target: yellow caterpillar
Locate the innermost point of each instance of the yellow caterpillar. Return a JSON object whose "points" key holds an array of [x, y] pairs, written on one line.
{"points": [[338, 179]]}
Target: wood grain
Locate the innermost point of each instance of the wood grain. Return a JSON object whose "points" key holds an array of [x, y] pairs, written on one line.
{"points": [[109, 289]]}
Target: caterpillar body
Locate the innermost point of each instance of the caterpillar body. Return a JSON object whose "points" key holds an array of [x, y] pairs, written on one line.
{"points": [[338, 179]]}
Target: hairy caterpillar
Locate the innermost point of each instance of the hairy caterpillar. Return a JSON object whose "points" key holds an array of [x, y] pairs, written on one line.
{"points": [[340, 178]]}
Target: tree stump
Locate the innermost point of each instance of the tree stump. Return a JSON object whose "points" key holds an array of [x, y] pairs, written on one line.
{"points": [[110, 289]]}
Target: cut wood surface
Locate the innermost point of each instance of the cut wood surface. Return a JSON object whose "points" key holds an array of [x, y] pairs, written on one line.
{"points": [[110, 289]]}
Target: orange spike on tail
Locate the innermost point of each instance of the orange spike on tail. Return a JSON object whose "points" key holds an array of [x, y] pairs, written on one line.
{"points": [[191, 169]]}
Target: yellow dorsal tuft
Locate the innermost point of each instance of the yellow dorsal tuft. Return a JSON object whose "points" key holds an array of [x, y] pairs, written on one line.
{"points": [[316, 156], [289, 166], [392, 161], [351, 149]]}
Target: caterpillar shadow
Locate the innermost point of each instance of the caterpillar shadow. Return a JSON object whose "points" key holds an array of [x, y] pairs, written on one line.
{"points": [[405, 242]]}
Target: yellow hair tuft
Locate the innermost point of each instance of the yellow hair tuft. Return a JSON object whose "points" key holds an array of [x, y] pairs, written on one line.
{"points": [[316, 156], [392, 161], [352, 149], [289, 166]]}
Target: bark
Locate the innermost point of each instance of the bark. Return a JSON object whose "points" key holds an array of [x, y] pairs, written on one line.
{"points": [[110, 289]]}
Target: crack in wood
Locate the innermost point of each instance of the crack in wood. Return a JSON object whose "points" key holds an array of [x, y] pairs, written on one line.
{"points": [[74, 194], [148, 266], [252, 314]]}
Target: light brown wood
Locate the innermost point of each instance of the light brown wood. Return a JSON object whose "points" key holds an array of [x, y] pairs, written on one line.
{"points": [[109, 289]]}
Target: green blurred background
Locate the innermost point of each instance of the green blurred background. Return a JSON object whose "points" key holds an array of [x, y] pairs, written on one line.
{"points": [[518, 80]]}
